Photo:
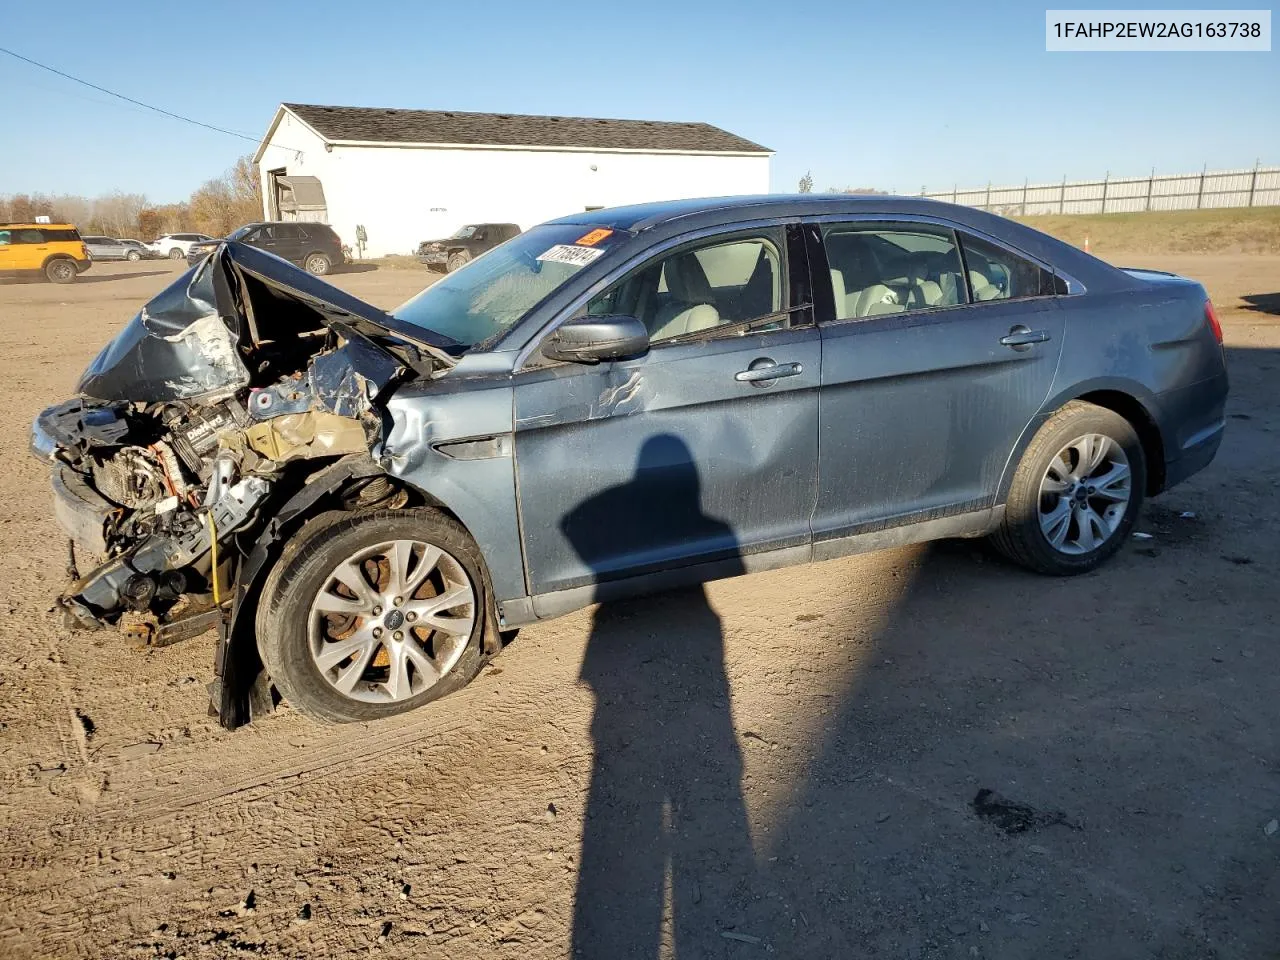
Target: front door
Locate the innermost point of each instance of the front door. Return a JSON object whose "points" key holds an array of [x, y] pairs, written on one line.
{"points": [[692, 452], [941, 350]]}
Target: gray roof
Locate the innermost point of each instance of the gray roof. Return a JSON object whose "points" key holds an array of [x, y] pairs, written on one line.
{"points": [[378, 125]]}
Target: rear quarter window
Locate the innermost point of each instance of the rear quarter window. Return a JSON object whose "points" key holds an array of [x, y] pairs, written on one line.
{"points": [[61, 236]]}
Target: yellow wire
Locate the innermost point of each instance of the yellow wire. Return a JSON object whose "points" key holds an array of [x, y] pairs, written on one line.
{"points": [[213, 547]]}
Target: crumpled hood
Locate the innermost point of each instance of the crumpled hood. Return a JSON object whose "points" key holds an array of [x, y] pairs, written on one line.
{"points": [[195, 338]]}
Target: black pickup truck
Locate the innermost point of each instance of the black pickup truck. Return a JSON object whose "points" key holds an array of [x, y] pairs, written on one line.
{"points": [[465, 245]]}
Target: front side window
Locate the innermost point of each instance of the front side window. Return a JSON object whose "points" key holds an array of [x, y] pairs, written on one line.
{"points": [[998, 274], [879, 269], [489, 296], [718, 284]]}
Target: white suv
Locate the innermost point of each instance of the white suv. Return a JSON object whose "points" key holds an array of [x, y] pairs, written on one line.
{"points": [[175, 245]]}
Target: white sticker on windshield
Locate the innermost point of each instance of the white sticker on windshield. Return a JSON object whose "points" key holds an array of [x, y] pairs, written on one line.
{"points": [[568, 253]]}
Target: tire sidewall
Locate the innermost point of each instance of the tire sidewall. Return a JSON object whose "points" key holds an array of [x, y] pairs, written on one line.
{"points": [[319, 259], [457, 261], [133, 257], [283, 640], [177, 254], [1023, 507]]}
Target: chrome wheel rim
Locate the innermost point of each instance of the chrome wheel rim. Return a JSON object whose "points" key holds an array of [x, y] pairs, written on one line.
{"points": [[1085, 494], [391, 620], [317, 266], [62, 270]]}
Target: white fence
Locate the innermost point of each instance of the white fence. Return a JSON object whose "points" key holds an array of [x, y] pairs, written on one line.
{"points": [[1256, 186]]}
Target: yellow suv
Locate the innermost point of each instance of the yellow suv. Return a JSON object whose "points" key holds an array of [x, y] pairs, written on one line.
{"points": [[53, 249]]}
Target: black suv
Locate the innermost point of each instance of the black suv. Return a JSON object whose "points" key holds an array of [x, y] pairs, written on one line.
{"points": [[465, 245], [313, 246]]}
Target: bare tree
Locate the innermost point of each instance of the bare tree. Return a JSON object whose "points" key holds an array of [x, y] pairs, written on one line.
{"points": [[806, 182]]}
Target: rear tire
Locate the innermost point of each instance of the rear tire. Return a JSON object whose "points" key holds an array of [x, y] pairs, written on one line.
{"points": [[457, 261], [61, 271], [298, 642], [1076, 494], [318, 264]]}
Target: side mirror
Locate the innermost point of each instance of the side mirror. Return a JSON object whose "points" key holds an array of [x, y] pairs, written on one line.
{"points": [[592, 339]]}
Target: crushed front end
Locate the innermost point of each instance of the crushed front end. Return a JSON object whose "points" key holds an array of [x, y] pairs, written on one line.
{"points": [[212, 410]]}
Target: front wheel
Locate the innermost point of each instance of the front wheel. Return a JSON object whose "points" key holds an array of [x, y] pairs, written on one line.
{"points": [[375, 615], [177, 254], [133, 256], [457, 261], [1076, 494], [318, 264]]}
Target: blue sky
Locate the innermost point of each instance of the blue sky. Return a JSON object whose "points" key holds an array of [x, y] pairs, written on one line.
{"points": [[894, 96]]}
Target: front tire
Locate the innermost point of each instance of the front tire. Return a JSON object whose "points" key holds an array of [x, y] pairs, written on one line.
{"points": [[457, 261], [133, 256], [375, 615], [1076, 494], [61, 271], [177, 254], [318, 264]]}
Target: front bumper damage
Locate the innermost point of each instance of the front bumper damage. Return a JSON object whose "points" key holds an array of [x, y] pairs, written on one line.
{"points": [[206, 421]]}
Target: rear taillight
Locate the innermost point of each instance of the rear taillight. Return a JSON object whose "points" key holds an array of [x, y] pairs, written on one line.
{"points": [[1211, 317]]}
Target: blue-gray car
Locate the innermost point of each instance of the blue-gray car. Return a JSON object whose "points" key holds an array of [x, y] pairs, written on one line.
{"points": [[364, 505]]}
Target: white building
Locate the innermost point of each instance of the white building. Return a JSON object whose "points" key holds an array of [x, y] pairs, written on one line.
{"points": [[413, 175]]}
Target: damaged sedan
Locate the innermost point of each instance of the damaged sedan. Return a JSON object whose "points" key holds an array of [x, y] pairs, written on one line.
{"points": [[364, 505]]}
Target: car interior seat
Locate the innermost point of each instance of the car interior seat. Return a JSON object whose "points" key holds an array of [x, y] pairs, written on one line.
{"points": [[691, 306]]}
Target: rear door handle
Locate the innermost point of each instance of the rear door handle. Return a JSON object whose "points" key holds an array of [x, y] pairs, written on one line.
{"points": [[763, 371], [1023, 337]]}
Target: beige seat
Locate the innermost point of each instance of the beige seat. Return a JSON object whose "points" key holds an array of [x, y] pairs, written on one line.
{"points": [[983, 289], [691, 307]]}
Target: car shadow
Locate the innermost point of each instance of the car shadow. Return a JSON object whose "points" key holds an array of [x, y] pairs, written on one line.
{"points": [[1263, 302], [356, 268], [111, 277]]}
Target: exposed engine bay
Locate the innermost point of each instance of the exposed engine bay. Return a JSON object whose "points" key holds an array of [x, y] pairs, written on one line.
{"points": [[217, 403]]}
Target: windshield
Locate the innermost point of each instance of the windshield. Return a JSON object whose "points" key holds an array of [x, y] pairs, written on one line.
{"points": [[490, 295], [463, 233]]}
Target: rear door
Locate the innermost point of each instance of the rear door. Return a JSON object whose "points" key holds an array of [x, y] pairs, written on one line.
{"points": [[692, 452], [938, 350]]}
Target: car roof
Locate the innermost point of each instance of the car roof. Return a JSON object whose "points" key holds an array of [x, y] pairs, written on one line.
{"points": [[25, 223], [671, 217]]}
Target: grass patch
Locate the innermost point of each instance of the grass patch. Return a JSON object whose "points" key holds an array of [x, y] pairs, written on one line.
{"points": [[1255, 230]]}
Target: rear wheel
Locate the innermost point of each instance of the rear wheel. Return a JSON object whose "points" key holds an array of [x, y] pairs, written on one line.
{"points": [[177, 254], [375, 615], [318, 264], [1076, 494], [60, 271], [457, 260]]}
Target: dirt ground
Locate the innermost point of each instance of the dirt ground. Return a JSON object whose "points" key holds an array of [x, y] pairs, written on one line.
{"points": [[787, 764]]}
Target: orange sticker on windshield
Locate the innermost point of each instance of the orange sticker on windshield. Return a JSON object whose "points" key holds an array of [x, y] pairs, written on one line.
{"points": [[594, 237]]}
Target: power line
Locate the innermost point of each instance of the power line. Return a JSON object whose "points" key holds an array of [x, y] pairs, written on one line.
{"points": [[121, 96]]}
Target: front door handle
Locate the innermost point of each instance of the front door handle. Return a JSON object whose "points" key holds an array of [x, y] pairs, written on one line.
{"points": [[1021, 338], [764, 371]]}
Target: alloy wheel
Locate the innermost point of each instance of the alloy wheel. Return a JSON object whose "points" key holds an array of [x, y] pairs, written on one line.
{"points": [[391, 621], [1084, 494]]}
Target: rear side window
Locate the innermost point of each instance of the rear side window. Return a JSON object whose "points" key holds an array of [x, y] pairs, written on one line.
{"points": [[995, 273], [26, 235], [60, 236], [883, 268]]}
